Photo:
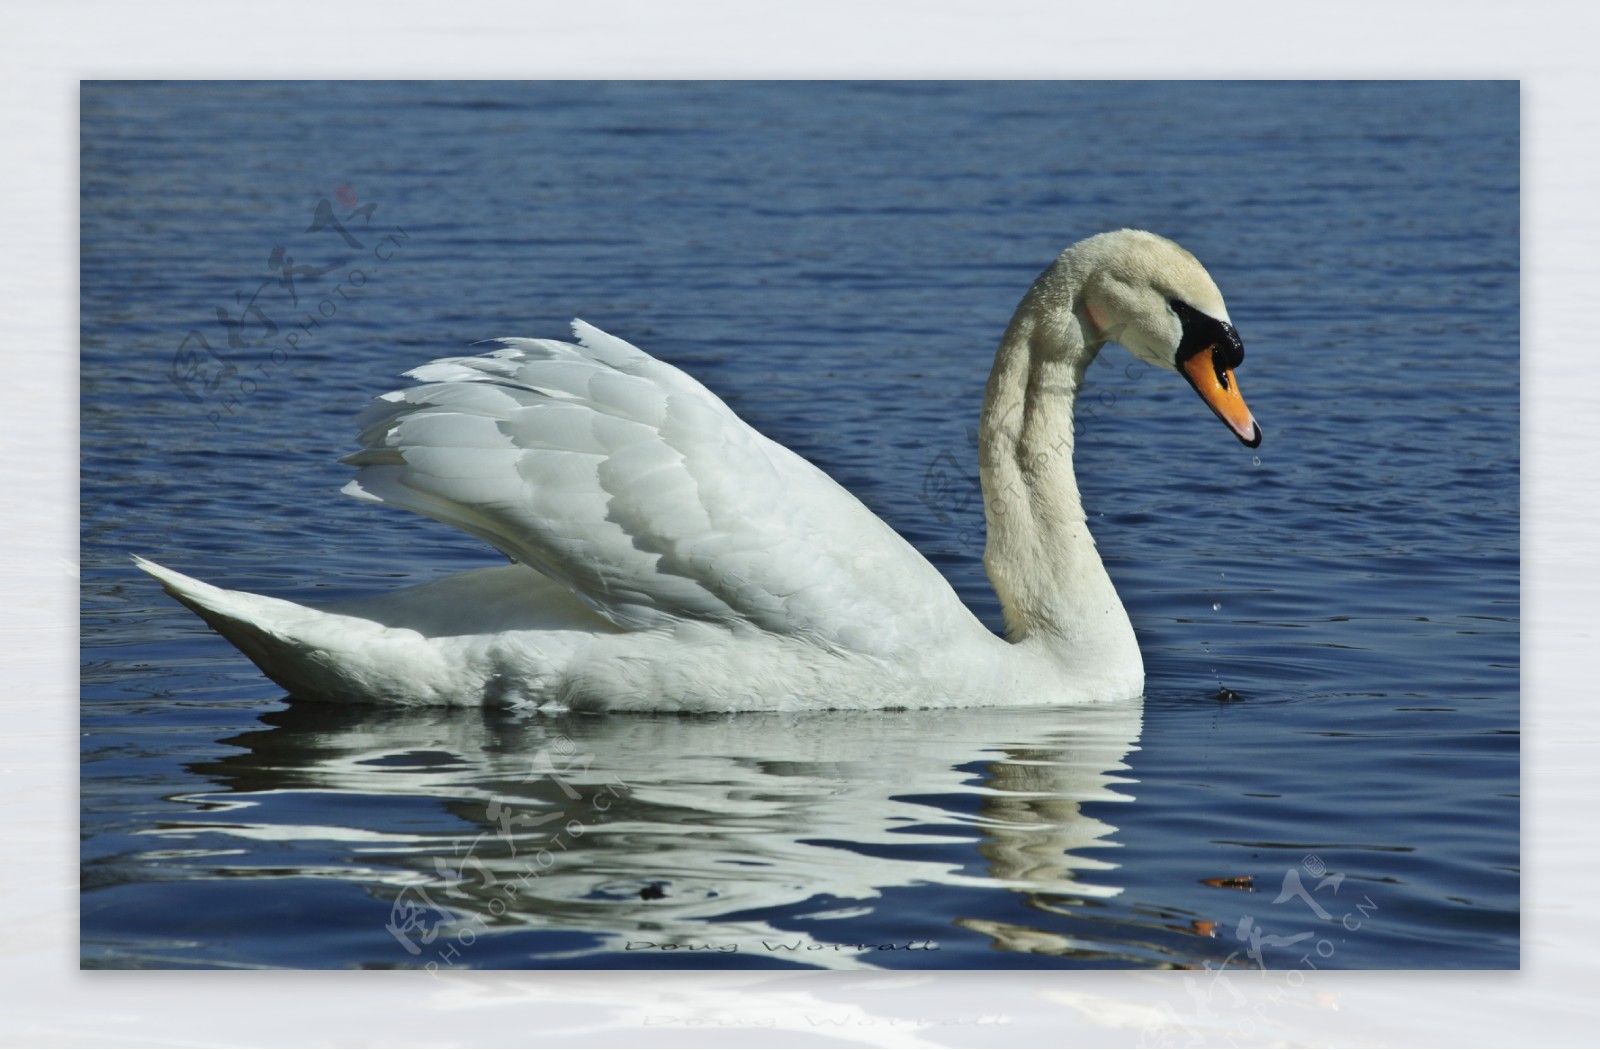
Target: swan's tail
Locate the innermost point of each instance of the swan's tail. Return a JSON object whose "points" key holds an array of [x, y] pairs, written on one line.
{"points": [[502, 636], [307, 651]]}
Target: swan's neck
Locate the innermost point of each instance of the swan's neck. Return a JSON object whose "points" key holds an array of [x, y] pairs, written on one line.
{"points": [[1040, 557]]}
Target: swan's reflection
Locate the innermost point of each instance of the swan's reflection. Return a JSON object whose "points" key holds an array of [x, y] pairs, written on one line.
{"points": [[664, 834]]}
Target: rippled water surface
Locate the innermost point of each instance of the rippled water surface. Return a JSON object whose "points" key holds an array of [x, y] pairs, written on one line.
{"points": [[1323, 770]]}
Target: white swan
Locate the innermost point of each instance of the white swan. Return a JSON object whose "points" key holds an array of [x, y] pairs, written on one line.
{"points": [[669, 557]]}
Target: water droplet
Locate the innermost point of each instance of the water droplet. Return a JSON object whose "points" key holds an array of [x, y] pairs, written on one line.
{"points": [[1256, 460], [1216, 606]]}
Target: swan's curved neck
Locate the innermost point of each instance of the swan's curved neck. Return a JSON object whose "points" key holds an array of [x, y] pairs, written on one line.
{"points": [[1040, 557]]}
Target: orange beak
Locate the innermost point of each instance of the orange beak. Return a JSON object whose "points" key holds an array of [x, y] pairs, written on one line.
{"points": [[1215, 384]]}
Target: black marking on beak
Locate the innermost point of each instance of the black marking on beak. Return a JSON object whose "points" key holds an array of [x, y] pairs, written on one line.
{"points": [[1202, 332]]}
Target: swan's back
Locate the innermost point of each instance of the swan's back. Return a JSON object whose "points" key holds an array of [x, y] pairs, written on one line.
{"points": [[640, 491]]}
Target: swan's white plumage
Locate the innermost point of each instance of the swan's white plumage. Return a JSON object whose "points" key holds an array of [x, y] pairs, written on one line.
{"points": [[666, 556], [627, 481]]}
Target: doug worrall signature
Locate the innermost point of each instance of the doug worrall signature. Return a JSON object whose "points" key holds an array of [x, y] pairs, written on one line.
{"points": [[782, 946]]}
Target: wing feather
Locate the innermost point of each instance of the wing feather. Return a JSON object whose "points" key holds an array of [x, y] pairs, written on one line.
{"points": [[640, 490]]}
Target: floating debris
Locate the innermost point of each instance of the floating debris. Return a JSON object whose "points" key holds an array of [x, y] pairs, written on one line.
{"points": [[1233, 882]]}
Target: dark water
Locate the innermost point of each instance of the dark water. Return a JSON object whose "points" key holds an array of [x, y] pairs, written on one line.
{"points": [[1324, 770]]}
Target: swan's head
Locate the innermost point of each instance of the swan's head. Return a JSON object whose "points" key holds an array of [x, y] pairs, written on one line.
{"points": [[1151, 296]]}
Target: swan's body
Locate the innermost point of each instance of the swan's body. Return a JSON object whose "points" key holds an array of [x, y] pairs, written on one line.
{"points": [[669, 557]]}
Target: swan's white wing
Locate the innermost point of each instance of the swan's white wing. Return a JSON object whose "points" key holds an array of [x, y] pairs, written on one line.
{"points": [[628, 481]]}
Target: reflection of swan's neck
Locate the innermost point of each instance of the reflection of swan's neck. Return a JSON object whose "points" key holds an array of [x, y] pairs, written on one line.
{"points": [[1040, 556]]}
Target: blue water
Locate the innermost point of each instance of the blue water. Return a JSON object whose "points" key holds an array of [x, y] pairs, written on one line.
{"points": [[1323, 770]]}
